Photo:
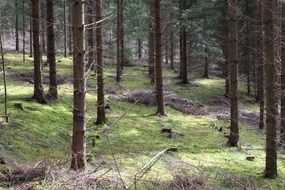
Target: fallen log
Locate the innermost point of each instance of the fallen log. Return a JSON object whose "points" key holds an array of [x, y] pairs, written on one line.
{"points": [[19, 176]]}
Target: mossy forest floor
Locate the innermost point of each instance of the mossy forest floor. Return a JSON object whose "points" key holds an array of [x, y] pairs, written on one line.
{"points": [[43, 132]]}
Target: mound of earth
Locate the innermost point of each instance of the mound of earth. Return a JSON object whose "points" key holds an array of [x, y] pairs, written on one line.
{"points": [[147, 97]]}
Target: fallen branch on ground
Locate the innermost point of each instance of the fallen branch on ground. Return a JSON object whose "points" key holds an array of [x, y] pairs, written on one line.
{"points": [[20, 176]]}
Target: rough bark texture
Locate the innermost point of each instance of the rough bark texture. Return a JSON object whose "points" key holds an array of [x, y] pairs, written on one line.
{"points": [[282, 138], [101, 118], [51, 51], [270, 89], [78, 161], [234, 128], [158, 61], [38, 89]]}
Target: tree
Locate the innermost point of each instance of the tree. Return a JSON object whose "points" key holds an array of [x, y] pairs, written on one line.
{"points": [[17, 25], [158, 61], [234, 128], [78, 161], [270, 90], [151, 39], [101, 118], [38, 88], [64, 30], [260, 66], [282, 138], [90, 31], [4, 81], [183, 46], [51, 50], [119, 50]]}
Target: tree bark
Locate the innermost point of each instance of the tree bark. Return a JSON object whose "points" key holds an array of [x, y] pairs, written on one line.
{"points": [[206, 66], [38, 88], [261, 67], [43, 27], [90, 32], [158, 61], [64, 30], [234, 128], [282, 131], [151, 42], [78, 161], [119, 50], [24, 32], [4, 81], [31, 32], [51, 51], [17, 25], [172, 51], [101, 118], [271, 109]]}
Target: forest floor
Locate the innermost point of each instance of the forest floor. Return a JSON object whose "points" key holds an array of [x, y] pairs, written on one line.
{"points": [[133, 136]]}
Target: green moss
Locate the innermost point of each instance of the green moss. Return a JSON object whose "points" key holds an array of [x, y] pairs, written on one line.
{"points": [[44, 131]]}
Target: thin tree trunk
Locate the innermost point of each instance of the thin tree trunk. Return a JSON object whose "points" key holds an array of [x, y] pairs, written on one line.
{"points": [[31, 33], [17, 25], [139, 48], [151, 42], [78, 161], [101, 118], [51, 51], [158, 61], [282, 131], [206, 66], [24, 32], [4, 81], [234, 128], [64, 30], [90, 31], [184, 76], [122, 43], [43, 27], [171, 51], [271, 109], [261, 68], [119, 52], [38, 88], [69, 32]]}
